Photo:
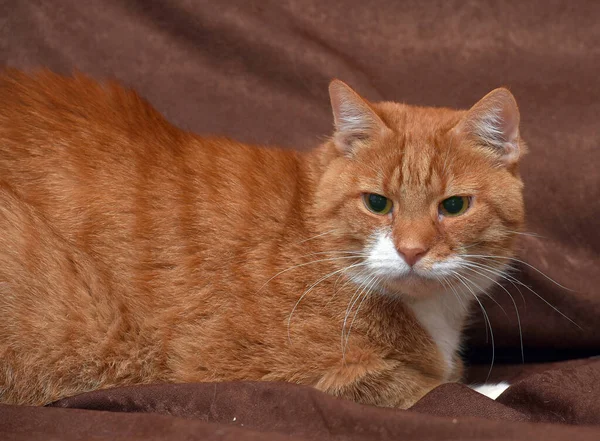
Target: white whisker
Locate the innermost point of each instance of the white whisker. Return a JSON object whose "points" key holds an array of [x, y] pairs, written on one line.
{"points": [[301, 265], [486, 318], [468, 265], [472, 245], [353, 253], [502, 274], [367, 293], [532, 291], [351, 303], [449, 285], [311, 288], [317, 236], [526, 233], [522, 262]]}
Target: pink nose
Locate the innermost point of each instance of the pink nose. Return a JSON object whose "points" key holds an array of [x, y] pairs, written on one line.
{"points": [[412, 255]]}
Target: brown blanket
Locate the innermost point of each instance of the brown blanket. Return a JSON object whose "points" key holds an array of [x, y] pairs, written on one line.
{"points": [[258, 71], [272, 411]]}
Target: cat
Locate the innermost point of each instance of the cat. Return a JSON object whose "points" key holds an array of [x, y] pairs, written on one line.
{"points": [[133, 252]]}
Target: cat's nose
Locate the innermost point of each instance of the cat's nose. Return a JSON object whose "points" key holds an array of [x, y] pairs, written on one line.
{"points": [[412, 255]]}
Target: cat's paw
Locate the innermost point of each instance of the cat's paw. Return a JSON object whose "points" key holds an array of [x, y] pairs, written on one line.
{"points": [[491, 390]]}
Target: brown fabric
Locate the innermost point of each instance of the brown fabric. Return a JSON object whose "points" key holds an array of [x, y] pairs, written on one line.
{"points": [[258, 71], [247, 411]]}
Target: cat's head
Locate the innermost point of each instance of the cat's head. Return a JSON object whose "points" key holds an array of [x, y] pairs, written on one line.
{"points": [[426, 196]]}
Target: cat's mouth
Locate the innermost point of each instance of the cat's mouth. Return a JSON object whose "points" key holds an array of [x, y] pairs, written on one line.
{"points": [[407, 274], [410, 284], [410, 275], [413, 282]]}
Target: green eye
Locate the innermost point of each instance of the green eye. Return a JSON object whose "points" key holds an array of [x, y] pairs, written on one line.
{"points": [[377, 204], [454, 206]]}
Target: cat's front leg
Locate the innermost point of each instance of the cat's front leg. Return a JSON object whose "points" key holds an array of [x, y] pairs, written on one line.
{"points": [[374, 380]]}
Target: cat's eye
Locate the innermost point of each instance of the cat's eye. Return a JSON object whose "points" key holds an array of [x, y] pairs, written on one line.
{"points": [[377, 204], [454, 206]]}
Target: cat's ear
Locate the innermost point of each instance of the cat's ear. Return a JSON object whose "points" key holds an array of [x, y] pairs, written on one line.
{"points": [[356, 123], [494, 122]]}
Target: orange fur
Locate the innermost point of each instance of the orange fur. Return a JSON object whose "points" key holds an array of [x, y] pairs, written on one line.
{"points": [[133, 252]]}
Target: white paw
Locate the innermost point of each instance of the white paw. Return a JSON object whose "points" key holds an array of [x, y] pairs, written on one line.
{"points": [[492, 391]]}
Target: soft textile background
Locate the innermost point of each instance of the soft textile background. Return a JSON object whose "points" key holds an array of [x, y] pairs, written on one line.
{"points": [[258, 71]]}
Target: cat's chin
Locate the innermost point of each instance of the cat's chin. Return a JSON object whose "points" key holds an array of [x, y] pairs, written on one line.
{"points": [[413, 285]]}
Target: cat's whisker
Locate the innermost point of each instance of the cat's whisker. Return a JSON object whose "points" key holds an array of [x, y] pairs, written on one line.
{"points": [[302, 265], [526, 233], [335, 287], [366, 294], [359, 287], [359, 290], [535, 293], [448, 285], [350, 253], [495, 272], [472, 245], [318, 235], [464, 281], [348, 280], [504, 274], [360, 273], [469, 268], [507, 276], [521, 262], [482, 291], [310, 289], [454, 290]]}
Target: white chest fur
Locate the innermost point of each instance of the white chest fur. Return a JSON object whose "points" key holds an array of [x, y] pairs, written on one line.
{"points": [[442, 316]]}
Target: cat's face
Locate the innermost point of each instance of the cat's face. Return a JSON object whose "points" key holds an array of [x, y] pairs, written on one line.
{"points": [[429, 198]]}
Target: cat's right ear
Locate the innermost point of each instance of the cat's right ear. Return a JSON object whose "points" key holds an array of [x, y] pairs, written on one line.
{"points": [[356, 123], [494, 122]]}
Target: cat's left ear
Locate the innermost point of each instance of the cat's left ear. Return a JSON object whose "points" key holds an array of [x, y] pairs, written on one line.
{"points": [[494, 122], [356, 123]]}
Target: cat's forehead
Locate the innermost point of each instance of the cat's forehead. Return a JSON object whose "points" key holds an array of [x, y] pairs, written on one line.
{"points": [[418, 161], [416, 122]]}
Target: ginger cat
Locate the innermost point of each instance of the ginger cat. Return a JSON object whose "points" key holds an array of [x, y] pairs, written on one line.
{"points": [[133, 252]]}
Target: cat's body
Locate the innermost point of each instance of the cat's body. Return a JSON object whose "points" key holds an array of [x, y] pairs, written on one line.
{"points": [[132, 252]]}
